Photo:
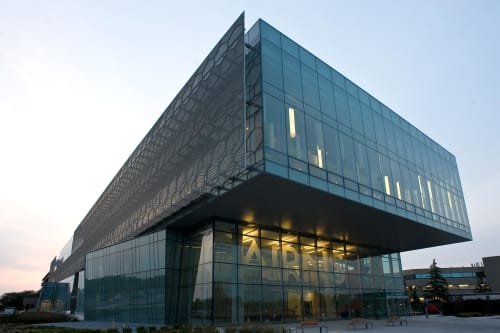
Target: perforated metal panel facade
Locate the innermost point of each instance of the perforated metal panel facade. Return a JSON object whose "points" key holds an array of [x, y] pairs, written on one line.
{"points": [[195, 148]]}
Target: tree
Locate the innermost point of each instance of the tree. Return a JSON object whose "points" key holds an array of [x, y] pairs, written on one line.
{"points": [[482, 286], [414, 296], [437, 287], [15, 299]]}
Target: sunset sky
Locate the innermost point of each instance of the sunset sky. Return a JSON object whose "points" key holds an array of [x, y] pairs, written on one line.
{"points": [[81, 82]]}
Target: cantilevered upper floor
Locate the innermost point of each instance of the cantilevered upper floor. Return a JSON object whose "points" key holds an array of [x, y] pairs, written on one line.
{"points": [[266, 132]]}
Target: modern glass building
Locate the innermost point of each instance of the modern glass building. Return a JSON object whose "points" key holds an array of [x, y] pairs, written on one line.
{"points": [[272, 189]]}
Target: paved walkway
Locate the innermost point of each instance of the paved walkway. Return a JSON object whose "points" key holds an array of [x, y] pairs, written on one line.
{"points": [[416, 324]]}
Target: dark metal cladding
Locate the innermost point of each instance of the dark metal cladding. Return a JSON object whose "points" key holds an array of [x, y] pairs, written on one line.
{"points": [[194, 148]]}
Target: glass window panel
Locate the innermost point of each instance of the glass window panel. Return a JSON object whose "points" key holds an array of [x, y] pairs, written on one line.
{"points": [[307, 58], [355, 113], [250, 298], [310, 87], [326, 279], [272, 275], [400, 142], [297, 165], [354, 280], [311, 303], [379, 129], [270, 33], [389, 135], [338, 78], [291, 255], [386, 174], [328, 304], [249, 274], [293, 304], [332, 150], [271, 252], [375, 170], [406, 186], [224, 247], [348, 159], [272, 303], [290, 46], [225, 273], [296, 134], [324, 256], [271, 64], [309, 258], [341, 106], [250, 250], [362, 164], [397, 184], [249, 230], [275, 120], [364, 97], [323, 69], [291, 76], [316, 148], [292, 277], [352, 89], [326, 97], [310, 278], [368, 127]]}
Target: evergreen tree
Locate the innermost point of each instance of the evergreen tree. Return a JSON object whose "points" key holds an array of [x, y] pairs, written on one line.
{"points": [[414, 296], [482, 286], [437, 287]]}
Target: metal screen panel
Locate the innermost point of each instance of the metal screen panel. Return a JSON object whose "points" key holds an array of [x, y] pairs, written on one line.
{"points": [[196, 146]]}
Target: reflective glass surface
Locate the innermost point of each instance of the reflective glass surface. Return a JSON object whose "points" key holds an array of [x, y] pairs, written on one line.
{"points": [[332, 129]]}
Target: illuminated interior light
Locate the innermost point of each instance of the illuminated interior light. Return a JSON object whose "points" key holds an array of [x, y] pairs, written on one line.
{"points": [[387, 185], [430, 195], [291, 116], [421, 191], [320, 157], [398, 188], [449, 200]]}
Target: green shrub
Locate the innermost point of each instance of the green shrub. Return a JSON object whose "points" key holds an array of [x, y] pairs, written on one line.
{"points": [[141, 329], [35, 318], [183, 328], [152, 329], [126, 330], [209, 329]]}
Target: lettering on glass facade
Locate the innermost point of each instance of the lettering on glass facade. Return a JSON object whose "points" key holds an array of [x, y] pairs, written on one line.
{"points": [[292, 260]]}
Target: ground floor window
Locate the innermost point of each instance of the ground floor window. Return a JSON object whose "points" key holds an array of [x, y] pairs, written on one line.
{"points": [[231, 273]]}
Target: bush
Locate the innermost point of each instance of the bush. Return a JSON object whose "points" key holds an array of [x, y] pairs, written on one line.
{"points": [[182, 328], [127, 330], [141, 329], [35, 318]]}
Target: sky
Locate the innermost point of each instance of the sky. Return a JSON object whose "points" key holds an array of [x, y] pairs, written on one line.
{"points": [[81, 83]]}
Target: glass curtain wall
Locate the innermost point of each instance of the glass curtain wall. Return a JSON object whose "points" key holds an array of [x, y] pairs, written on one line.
{"points": [[322, 130], [264, 275], [127, 282], [229, 273]]}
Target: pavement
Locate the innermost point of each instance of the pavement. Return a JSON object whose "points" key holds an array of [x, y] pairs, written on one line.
{"points": [[416, 324]]}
